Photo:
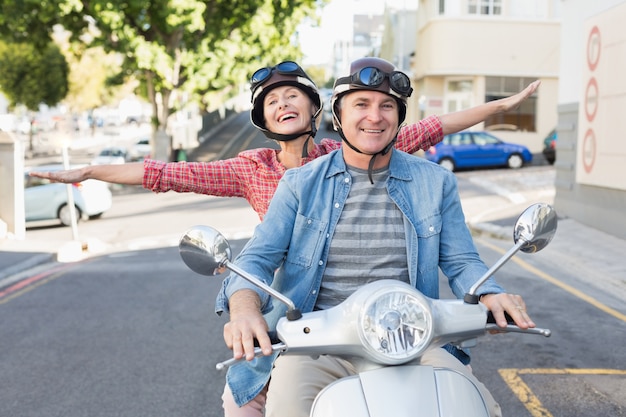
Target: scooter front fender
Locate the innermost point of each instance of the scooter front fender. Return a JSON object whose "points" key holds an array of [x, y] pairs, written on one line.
{"points": [[401, 391]]}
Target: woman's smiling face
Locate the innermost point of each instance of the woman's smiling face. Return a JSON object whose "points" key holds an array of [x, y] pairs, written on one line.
{"points": [[287, 110]]}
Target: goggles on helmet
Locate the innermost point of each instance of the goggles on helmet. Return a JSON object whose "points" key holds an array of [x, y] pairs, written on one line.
{"points": [[286, 68], [374, 77]]}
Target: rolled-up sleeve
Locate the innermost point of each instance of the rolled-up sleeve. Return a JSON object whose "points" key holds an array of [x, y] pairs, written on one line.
{"points": [[421, 135]]}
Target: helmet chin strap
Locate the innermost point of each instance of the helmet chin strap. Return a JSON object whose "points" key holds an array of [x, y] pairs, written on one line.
{"points": [[312, 133], [383, 151], [286, 138]]}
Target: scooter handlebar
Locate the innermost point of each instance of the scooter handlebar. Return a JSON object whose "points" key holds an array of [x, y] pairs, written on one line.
{"points": [[278, 347], [512, 328]]}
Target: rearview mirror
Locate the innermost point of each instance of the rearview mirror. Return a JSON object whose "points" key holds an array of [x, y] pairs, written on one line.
{"points": [[204, 250], [207, 252], [535, 227], [533, 230]]}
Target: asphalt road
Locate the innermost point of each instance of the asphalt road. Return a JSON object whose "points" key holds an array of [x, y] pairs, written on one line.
{"points": [[131, 332]]}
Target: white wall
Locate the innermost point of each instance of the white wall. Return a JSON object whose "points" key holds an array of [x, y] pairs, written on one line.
{"points": [[574, 14], [591, 153]]}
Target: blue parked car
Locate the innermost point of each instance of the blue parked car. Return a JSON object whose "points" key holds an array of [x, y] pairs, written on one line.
{"points": [[476, 150]]}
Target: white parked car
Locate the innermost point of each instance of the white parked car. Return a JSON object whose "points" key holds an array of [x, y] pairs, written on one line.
{"points": [[140, 150], [111, 155], [46, 200]]}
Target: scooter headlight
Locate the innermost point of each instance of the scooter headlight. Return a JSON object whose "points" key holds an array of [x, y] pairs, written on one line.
{"points": [[395, 324]]}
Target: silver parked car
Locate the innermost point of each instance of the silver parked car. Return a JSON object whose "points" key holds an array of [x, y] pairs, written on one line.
{"points": [[111, 155], [46, 200], [140, 150]]}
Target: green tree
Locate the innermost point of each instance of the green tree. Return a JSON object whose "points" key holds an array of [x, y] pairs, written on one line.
{"points": [[32, 76], [33, 21], [172, 46], [90, 72]]}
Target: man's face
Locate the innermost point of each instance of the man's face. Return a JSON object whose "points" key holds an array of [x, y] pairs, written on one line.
{"points": [[369, 120], [287, 110]]}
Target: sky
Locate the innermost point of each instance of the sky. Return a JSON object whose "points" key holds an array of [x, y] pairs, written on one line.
{"points": [[336, 24]]}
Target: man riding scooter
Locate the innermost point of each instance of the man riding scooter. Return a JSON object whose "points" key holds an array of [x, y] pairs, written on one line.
{"points": [[362, 213]]}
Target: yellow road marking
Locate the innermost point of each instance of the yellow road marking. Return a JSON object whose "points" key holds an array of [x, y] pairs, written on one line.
{"points": [[568, 371], [524, 393], [562, 285]]}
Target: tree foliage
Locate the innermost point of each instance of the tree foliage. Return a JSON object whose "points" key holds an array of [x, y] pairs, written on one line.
{"points": [[31, 76], [91, 71], [217, 69], [173, 47], [33, 21]]}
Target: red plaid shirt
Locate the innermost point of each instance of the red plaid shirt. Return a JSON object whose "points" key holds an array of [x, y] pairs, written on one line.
{"points": [[254, 174]]}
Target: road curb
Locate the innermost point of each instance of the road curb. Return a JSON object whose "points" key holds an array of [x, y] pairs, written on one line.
{"points": [[491, 230], [14, 273]]}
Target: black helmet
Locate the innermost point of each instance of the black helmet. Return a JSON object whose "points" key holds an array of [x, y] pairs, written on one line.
{"points": [[286, 73], [373, 74]]}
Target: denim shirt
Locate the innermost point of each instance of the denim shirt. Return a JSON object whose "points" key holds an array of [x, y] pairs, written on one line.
{"points": [[289, 249]]}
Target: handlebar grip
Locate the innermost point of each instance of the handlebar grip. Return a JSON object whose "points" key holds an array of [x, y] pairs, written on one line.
{"points": [[280, 347], [511, 327], [273, 338], [492, 320]]}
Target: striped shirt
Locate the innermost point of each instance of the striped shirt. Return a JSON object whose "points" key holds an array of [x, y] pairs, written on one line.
{"points": [[368, 243], [254, 174]]}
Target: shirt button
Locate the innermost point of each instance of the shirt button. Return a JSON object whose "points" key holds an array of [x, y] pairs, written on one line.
{"points": [[321, 263], [431, 228], [346, 180], [308, 221], [327, 235], [313, 292], [336, 205]]}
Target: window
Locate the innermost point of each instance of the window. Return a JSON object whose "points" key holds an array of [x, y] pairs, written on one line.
{"points": [[450, 8], [457, 139], [485, 7], [459, 95], [460, 86], [524, 117], [483, 139]]}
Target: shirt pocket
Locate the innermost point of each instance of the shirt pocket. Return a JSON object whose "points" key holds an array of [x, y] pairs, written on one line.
{"points": [[428, 227], [306, 242], [428, 233]]}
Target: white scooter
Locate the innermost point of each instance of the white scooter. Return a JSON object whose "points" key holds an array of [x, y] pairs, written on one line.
{"points": [[385, 326]]}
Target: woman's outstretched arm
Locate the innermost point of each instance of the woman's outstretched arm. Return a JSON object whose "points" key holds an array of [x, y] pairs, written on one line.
{"points": [[128, 174], [464, 119]]}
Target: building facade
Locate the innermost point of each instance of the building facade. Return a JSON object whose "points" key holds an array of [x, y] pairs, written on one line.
{"points": [[591, 150], [472, 51]]}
